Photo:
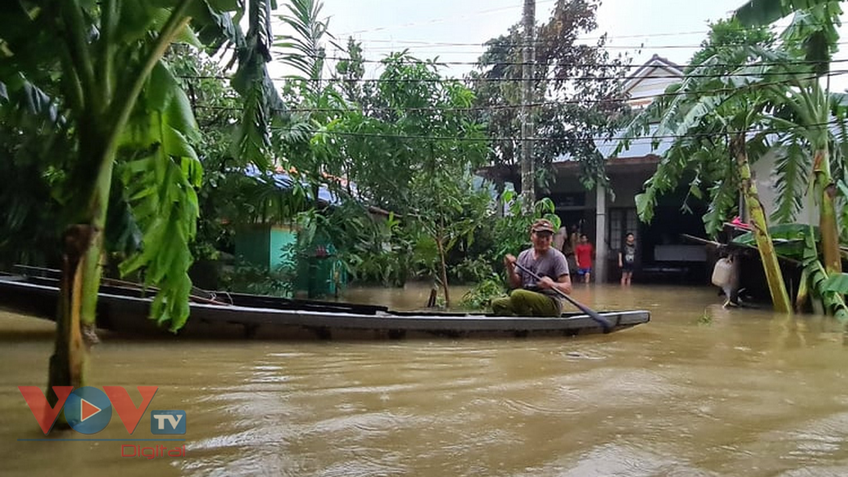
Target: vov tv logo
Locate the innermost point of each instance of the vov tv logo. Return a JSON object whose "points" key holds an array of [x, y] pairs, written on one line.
{"points": [[88, 410]]}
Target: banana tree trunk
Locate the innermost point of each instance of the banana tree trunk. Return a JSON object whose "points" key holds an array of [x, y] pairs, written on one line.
{"points": [[803, 291], [81, 270], [765, 246], [827, 212], [104, 111], [75, 323]]}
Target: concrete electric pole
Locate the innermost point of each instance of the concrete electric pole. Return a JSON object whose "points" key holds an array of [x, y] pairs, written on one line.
{"points": [[528, 170]]}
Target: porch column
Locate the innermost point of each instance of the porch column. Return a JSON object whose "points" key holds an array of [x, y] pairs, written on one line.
{"points": [[601, 251]]}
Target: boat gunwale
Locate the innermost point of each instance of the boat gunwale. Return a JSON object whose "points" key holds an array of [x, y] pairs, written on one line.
{"points": [[380, 320]]}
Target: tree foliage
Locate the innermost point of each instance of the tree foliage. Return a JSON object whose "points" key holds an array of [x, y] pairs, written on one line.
{"points": [[575, 89]]}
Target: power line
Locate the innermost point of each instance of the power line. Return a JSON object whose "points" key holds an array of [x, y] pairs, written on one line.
{"points": [[610, 47], [497, 107], [632, 139], [415, 44], [438, 20], [832, 73], [543, 139], [494, 10], [572, 65], [582, 38]]}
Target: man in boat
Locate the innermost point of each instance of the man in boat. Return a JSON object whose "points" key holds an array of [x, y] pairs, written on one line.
{"points": [[529, 296]]}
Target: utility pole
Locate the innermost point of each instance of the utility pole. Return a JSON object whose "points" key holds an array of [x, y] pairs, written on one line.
{"points": [[528, 170]]}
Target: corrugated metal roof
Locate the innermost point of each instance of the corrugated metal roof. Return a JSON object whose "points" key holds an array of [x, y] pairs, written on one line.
{"points": [[639, 147], [284, 181]]}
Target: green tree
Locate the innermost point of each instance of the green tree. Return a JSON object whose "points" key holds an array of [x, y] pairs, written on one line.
{"points": [[573, 84], [30, 129], [802, 106], [803, 110], [133, 127], [415, 156], [715, 99], [766, 12]]}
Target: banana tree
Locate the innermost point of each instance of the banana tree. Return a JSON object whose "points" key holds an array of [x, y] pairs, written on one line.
{"points": [[133, 129], [804, 111], [715, 104], [766, 12], [804, 108]]}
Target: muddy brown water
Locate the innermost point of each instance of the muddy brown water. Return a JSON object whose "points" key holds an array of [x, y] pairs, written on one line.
{"points": [[699, 391]]}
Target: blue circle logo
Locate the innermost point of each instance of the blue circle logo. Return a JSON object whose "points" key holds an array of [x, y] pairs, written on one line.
{"points": [[88, 410]]}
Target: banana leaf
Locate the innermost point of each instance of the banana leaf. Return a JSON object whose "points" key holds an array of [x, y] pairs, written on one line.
{"points": [[788, 239]]}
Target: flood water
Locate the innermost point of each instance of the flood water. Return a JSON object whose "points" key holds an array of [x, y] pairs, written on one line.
{"points": [[698, 391]]}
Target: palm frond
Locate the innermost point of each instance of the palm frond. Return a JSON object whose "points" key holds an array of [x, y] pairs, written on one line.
{"points": [[724, 197], [304, 51], [263, 105]]}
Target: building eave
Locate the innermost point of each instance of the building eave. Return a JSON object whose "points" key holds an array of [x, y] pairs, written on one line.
{"points": [[656, 62]]}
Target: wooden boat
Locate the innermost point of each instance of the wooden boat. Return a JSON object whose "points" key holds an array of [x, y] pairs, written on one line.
{"points": [[125, 309]]}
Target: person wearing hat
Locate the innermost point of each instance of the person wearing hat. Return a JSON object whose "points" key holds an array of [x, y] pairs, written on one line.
{"points": [[529, 297]]}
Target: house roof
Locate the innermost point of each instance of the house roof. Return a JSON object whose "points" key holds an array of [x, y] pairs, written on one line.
{"points": [[649, 68], [283, 180], [641, 150], [639, 147]]}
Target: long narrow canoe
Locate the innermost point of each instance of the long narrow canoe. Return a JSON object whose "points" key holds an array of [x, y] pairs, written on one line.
{"points": [[126, 310]]}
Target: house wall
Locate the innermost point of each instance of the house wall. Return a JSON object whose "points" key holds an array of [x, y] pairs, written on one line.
{"points": [[662, 253], [252, 243], [765, 178], [648, 88], [262, 245], [280, 237]]}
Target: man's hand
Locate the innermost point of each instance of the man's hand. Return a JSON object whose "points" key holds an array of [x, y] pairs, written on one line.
{"points": [[512, 276], [546, 282]]}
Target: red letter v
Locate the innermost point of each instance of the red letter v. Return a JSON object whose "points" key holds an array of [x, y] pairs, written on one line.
{"points": [[44, 414], [121, 401]]}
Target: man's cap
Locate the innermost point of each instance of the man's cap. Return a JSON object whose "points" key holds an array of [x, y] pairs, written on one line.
{"points": [[542, 225]]}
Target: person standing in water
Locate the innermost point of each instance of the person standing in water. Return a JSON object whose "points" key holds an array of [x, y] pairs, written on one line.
{"points": [[584, 253], [568, 246], [627, 258]]}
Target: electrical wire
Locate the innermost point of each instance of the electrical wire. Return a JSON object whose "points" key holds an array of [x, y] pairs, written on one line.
{"points": [[832, 73], [440, 20], [483, 139], [564, 64]]}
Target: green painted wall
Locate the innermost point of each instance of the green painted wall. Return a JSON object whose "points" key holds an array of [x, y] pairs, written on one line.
{"points": [[252, 244], [262, 245], [280, 237]]}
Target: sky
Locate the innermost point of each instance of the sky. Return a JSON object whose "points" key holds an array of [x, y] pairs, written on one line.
{"points": [[455, 30]]}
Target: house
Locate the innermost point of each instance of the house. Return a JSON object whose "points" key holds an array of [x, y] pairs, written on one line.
{"points": [[650, 80], [606, 214], [270, 245]]}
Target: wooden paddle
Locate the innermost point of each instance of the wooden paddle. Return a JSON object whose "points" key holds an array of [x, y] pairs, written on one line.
{"points": [[605, 324]]}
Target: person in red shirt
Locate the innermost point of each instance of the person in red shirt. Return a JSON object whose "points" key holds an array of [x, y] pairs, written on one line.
{"points": [[584, 253]]}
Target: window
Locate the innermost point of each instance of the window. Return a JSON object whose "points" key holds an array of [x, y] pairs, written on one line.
{"points": [[621, 221]]}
